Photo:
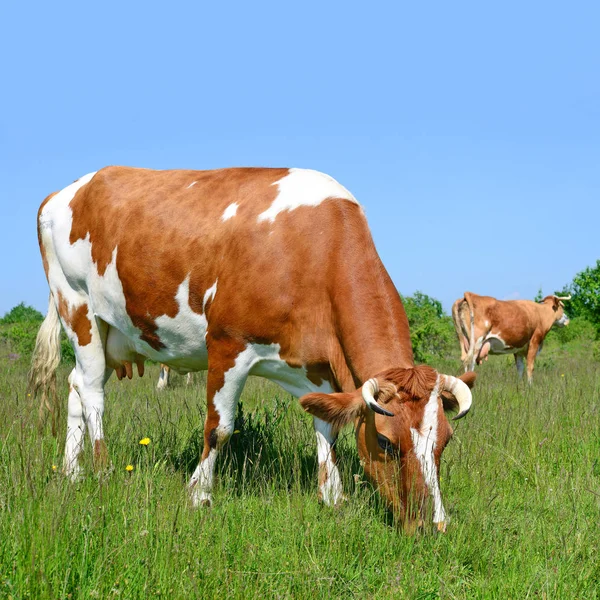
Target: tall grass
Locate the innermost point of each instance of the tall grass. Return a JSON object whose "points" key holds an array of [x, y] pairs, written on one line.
{"points": [[520, 479]]}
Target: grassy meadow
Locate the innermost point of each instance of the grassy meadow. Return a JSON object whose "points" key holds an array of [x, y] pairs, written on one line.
{"points": [[520, 480]]}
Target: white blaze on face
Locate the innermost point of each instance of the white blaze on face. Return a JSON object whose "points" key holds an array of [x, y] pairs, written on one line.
{"points": [[564, 320], [424, 443], [304, 187], [229, 211]]}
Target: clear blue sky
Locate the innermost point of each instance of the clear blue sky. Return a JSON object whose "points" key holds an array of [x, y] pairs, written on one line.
{"points": [[469, 131]]}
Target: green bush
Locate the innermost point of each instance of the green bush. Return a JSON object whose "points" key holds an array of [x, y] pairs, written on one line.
{"points": [[18, 331], [22, 313], [585, 290], [431, 330]]}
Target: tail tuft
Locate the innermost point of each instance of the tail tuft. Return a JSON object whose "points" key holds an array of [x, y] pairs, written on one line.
{"points": [[45, 361]]}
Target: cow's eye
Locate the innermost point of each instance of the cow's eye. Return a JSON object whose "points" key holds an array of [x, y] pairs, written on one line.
{"points": [[385, 444]]}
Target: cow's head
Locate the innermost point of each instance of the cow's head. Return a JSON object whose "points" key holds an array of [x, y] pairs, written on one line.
{"points": [[558, 308], [401, 432]]}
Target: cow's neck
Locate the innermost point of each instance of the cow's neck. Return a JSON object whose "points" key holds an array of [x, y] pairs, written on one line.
{"points": [[372, 326], [548, 317]]}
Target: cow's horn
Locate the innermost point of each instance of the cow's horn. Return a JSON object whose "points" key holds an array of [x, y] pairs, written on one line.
{"points": [[563, 297], [369, 389], [460, 390]]}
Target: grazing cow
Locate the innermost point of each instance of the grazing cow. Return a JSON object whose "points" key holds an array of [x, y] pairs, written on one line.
{"points": [[269, 272], [165, 375], [485, 326]]}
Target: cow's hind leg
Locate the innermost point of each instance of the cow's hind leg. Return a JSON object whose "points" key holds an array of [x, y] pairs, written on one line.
{"points": [[520, 363], [86, 382], [75, 431], [330, 484], [228, 369], [163, 377]]}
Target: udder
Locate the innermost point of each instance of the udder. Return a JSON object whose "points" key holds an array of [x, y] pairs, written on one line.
{"points": [[120, 354], [483, 353]]}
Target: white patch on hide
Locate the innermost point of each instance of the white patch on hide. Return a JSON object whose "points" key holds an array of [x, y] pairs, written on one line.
{"points": [[209, 295], [229, 212], [184, 335], [304, 187]]}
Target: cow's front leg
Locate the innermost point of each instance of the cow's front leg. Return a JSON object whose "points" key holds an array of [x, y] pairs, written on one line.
{"points": [[228, 367], [330, 484], [532, 352]]}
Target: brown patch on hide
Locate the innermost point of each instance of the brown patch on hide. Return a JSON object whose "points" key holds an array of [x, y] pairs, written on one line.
{"points": [[76, 318]]}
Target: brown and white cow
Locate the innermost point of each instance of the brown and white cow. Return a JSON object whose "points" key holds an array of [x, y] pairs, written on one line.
{"points": [[164, 377], [269, 272], [485, 326]]}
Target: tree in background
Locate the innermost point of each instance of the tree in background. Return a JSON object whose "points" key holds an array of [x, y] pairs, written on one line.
{"points": [[18, 330], [585, 291], [22, 313], [431, 330]]}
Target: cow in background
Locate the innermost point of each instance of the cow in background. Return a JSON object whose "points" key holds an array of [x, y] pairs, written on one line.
{"points": [[165, 375], [486, 326]]}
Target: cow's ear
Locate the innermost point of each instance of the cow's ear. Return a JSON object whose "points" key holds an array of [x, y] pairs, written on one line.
{"points": [[337, 409]]}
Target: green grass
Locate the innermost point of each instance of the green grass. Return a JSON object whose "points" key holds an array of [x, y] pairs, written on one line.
{"points": [[520, 479]]}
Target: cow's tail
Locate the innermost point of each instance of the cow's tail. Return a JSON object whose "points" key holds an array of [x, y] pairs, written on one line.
{"points": [[464, 324], [45, 361], [471, 357]]}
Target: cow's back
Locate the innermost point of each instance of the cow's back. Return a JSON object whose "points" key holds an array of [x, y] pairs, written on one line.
{"points": [[508, 319], [254, 248]]}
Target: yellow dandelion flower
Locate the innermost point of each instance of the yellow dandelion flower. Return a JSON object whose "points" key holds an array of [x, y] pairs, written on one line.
{"points": [[236, 431], [562, 374], [54, 467], [129, 468], [145, 441], [29, 395]]}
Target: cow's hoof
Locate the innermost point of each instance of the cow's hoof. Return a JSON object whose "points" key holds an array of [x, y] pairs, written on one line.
{"points": [[73, 474]]}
